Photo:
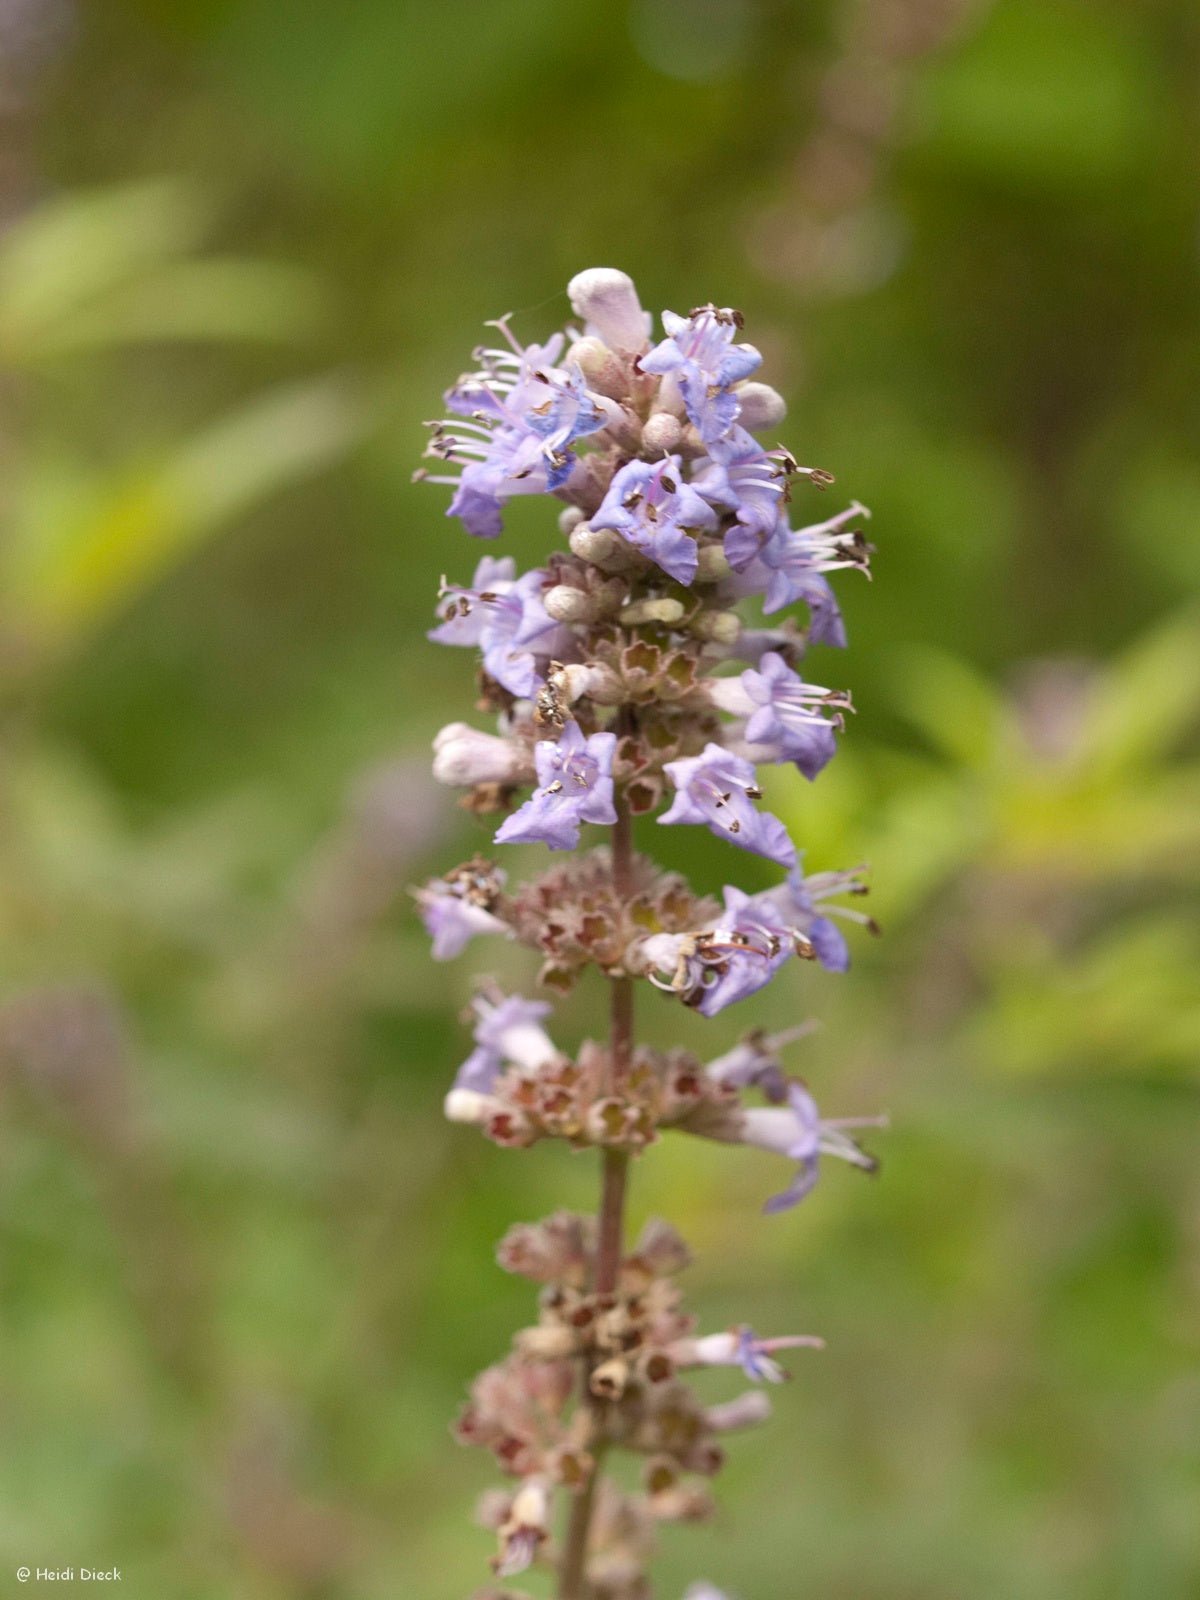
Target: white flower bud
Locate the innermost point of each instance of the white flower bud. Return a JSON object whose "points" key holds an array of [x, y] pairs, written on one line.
{"points": [[713, 565], [722, 627], [668, 611], [470, 1106], [601, 369], [568, 518], [553, 1343], [762, 406], [531, 1504], [608, 302], [670, 396], [600, 546], [567, 604], [590, 678], [661, 434], [464, 756]]}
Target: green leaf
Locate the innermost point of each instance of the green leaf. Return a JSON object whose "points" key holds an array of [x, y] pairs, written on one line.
{"points": [[959, 713], [71, 251], [194, 300], [1147, 702], [125, 535]]}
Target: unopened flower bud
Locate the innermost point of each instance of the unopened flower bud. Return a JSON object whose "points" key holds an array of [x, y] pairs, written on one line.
{"points": [[600, 546], [661, 434], [712, 565], [601, 369], [665, 610], [566, 604], [569, 518], [590, 678], [470, 1106], [464, 756], [721, 627], [762, 406], [546, 1343], [608, 302]]}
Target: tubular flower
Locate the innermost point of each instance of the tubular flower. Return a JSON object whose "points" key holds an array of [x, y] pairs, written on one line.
{"points": [[503, 617], [784, 715], [800, 898], [741, 1347], [700, 353], [455, 910], [794, 557], [508, 1031], [718, 790], [655, 511], [574, 786], [713, 969], [797, 1130], [516, 419]]}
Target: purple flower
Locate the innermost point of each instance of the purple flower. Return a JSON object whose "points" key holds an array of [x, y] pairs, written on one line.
{"points": [[649, 504], [799, 900], [753, 483], [508, 1031], [741, 1347], [453, 916], [754, 1063], [504, 618], [518, 417], [566, 413], [799, 1132], [700, 352], [784, 714], [793, 557], [574, 786], [714, 969], [718, 789], [825, 624], [464, 610]]}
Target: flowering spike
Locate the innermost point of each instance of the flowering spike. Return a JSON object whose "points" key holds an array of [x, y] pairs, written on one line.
{"points": [[633, 673]]}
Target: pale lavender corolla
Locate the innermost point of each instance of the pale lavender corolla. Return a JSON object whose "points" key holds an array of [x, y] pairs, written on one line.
{"points": [[507, 1032], [575, 785], [651, 507], [718, 789], [701, 352]]}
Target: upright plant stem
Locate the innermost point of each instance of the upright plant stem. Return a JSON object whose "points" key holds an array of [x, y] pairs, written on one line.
{"points": [[610, 1233]]}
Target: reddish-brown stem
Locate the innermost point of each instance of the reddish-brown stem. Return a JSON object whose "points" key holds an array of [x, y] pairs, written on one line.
{"points": [[572, 1579]]}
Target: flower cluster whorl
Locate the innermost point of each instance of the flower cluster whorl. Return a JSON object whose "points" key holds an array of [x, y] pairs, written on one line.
{"points": [[628, 676]]}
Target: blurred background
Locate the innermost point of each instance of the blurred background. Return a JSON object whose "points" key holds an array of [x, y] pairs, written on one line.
{"points": [[247, 1270]]}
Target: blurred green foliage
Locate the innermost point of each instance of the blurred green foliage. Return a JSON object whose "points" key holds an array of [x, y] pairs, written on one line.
{"points": [[247, 1269]]}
